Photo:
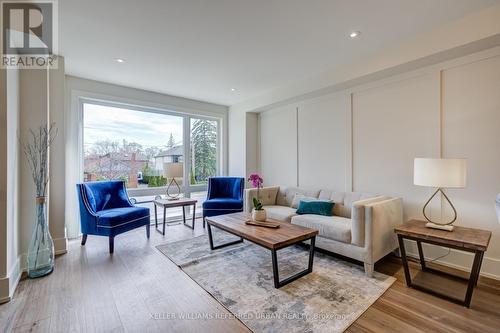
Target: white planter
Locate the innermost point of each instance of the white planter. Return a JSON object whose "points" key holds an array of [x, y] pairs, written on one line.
{"points": [[259, 215]]}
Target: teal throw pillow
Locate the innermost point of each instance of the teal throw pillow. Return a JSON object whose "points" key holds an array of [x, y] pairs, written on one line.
{"points": [[318, 207]]}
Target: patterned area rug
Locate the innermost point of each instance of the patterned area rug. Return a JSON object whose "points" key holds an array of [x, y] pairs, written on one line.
{"points": [[240, 277]]}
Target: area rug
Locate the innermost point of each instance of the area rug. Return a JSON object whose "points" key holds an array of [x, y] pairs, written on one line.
{"points": [[240, 277]]}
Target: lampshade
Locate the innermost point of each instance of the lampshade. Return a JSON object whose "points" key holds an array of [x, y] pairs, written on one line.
{"points": [[440, 172], [172, 170]]}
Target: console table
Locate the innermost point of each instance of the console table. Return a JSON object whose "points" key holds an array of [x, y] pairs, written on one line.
{"points": [[181, 202], [464, 239]]}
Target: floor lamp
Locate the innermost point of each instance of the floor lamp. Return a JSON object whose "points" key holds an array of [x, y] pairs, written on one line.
{"points": [[440, 173]]}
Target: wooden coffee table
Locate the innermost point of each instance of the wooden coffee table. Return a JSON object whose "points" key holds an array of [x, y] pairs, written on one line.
{"points": [[272, 239], [181, 202], [463, 239]]}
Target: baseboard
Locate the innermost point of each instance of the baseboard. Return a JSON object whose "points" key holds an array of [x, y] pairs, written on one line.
{"points": [[9, 283], [60, 245], [456, 259]]}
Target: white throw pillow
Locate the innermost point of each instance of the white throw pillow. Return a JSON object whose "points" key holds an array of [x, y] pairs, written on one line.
{"points": [[297, 198]]}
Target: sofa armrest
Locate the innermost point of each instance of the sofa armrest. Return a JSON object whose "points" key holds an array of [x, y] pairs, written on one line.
{"points": [[267, 196], [380, 219], [358, 219]]}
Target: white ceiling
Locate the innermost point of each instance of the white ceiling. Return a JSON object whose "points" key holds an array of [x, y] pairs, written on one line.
{"points": [[201, 49]]}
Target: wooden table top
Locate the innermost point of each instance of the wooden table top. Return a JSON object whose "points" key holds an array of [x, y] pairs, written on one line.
{"points": [[270, 238], [175, 203], [460, 237]]}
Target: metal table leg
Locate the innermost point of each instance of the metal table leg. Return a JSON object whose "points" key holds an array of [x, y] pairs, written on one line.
{"points": [[277, 282], [184, 217], [210, 239], [404, 259], [164, 220], [156, 216], [421, 256], [472, 281]]}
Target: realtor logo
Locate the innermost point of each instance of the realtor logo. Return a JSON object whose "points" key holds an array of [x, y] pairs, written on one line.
{"points": [[28, 34]]}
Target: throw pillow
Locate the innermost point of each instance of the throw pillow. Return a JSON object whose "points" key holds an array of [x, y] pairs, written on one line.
{"points": [[316, 207], [300, 197]]}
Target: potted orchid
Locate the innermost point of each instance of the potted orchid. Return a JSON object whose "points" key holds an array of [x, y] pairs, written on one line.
{"points": [[258, 213]]}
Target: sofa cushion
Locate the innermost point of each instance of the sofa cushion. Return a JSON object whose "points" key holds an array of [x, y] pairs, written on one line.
{"points": [[286, 194], [280, 213], [332, 227], [300, 197], [343, 200]]}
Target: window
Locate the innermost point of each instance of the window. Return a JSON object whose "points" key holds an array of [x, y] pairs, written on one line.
{"points": [[203, 150], [143, 146], [131, 145]]}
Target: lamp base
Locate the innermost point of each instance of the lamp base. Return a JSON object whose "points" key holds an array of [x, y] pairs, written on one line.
{"points": [[172, 198], [439, 226]]}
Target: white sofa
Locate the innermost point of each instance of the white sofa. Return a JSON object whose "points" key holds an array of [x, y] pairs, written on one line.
{"points": [[362, 225]]}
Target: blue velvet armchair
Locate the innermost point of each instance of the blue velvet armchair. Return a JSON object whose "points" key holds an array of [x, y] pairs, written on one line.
{"points": [[105, 210], [225, 196]]}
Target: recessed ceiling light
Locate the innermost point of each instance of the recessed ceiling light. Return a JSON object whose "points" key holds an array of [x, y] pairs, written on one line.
{"points": [[120, 60], [233, 89], [354, 34]]}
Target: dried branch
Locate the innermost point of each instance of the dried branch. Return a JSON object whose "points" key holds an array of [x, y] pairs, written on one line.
{"points": [[36, 152]]}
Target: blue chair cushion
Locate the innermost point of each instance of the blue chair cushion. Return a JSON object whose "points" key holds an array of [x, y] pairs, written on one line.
{"points": [[120, 216], [223, 203]]}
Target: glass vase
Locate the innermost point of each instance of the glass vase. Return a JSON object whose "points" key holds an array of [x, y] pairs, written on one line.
{"points": [[41, 248]]}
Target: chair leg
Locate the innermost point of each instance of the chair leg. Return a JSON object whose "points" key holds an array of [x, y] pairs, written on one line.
{"points": [[111, 245], [148, 231], [84, 239], [204, 222]]}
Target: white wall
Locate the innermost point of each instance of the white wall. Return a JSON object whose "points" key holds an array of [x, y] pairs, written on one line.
{"points": [[237, 139], [471, 128], [57, 186], [278, 148], [368, 136], [13, 189], [321, 122], [252, 155], [392, 123], [9, 183], [4, 278]]}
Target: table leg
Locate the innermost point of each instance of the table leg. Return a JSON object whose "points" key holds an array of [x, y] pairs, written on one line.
{"points": [[184, 217], [421, 255], [194, 214], [274, 257], [156, 217], [405, 261], [164, 219], [479, 268], [156, 220], [474, 275], [277, 282], [311, 254], [211, 241]]}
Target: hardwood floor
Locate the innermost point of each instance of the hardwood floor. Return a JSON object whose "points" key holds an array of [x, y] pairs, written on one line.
{"points": [[137, 289]]}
